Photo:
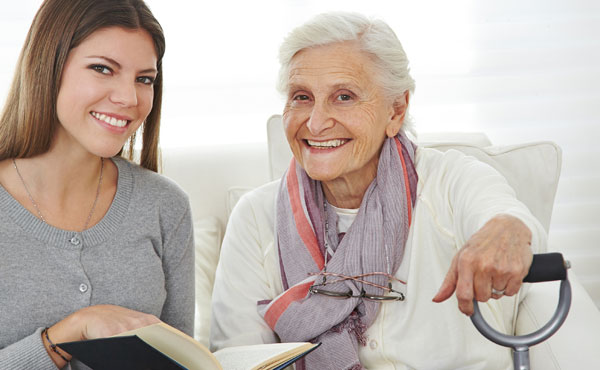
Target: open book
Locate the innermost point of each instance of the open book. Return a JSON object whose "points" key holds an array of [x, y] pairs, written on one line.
{"points": [[163, 347]]}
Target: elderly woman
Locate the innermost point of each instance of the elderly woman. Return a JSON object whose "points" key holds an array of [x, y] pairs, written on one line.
{"points": [[365, 229]]}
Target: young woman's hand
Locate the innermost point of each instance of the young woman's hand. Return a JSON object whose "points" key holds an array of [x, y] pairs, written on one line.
{"points": [[94, 322], [106, 320]]}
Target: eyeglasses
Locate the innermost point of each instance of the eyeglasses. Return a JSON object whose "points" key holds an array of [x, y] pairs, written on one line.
{"points": [[394, 295]]}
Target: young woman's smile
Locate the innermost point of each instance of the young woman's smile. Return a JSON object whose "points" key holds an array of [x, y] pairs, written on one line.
{"points": [[114, 122]]}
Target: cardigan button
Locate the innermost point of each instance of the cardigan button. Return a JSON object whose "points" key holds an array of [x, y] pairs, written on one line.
{"points": [[75, 240], [83, 288], [373, 344]]}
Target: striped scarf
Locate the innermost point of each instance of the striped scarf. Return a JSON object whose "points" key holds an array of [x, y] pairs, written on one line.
{"points": [[373, 243]]}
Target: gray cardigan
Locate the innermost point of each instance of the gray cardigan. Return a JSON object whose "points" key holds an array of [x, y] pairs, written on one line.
{"points": [[139, 256]]}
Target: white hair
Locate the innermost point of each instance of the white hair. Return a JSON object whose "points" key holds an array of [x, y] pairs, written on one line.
{"points": [[374, 36]]}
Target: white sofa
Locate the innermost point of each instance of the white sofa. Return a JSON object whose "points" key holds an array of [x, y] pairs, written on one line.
{"points": [[216, 176]]}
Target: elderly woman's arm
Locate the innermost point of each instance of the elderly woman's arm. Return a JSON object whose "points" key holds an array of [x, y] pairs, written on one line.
{"points": [[247, 273], [499, 235]]}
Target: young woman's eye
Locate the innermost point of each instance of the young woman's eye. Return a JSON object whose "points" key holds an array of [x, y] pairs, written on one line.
{"points": [[146, 80], [101, 69]]}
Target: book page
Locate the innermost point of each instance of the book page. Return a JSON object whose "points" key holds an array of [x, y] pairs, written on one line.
{"points": [[257, 356], [177, 345]]}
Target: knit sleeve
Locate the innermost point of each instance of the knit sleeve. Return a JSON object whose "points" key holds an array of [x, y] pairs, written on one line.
{"points": [[26, 354], [178, 266]]}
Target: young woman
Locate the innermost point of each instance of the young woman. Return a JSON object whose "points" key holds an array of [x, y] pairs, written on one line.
{"points": [[92, 244]]}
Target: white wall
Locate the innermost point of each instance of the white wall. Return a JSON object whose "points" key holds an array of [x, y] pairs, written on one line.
{"points": [[517, 70]]}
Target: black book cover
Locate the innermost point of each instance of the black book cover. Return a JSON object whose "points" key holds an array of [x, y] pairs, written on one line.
{"points": [[131, 353], [119, 353]]}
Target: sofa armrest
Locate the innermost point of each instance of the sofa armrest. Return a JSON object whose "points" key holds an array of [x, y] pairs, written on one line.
{"points": [[576, 345]]}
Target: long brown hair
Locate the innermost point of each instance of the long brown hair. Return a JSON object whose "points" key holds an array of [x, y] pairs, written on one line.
{"points": [[29, 118]]}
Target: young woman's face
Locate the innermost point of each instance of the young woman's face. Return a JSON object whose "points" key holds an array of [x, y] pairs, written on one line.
{"points": [[106, 90]]}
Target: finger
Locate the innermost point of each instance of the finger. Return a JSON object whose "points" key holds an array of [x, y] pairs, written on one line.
{"points": [[464, 290], [513, 286], [106, 320], [482, 286], [498, 295], [449, 284], [499, 283]]}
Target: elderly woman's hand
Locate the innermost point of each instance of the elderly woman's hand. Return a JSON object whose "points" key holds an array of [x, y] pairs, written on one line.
{"points": [[497, 256]]}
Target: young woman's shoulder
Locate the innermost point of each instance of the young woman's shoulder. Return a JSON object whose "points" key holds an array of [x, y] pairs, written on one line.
{"points": [[151, 186]]}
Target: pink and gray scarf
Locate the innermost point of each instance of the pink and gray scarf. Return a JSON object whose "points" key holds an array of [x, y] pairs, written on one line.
{"points": [[373, 243]]}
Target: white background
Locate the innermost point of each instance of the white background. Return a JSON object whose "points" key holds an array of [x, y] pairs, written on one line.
{"points": [[516, 70]]}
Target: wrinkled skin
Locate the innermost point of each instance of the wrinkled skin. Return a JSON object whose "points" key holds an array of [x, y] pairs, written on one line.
{"points": [[497, 256]]}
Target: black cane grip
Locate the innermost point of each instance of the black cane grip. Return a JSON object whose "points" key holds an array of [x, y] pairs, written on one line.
{"points": [[546, 267]]}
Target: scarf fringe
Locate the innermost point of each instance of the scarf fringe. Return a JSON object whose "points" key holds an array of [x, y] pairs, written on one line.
{"points": [[353, 325]]}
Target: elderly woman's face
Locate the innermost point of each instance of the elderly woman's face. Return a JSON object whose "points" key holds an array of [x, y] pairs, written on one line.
{"points": [[336, 117]]}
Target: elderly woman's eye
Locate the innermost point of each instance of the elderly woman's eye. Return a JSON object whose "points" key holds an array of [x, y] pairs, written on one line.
{"points": [[344, 97], [300, 97]]}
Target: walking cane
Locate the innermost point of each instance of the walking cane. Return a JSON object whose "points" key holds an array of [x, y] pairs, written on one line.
{"points": [[545, 267]]}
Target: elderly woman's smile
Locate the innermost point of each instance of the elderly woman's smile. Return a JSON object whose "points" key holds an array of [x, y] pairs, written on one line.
{"points": [[326, 144], [337, 116]]}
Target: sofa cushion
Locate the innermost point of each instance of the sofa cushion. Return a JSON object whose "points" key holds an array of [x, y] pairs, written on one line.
{"points": [[531, 169], [234, 194], [208, 234]]}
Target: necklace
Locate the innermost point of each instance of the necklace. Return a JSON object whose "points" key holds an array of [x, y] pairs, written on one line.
{"points": [[89, 217]]}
